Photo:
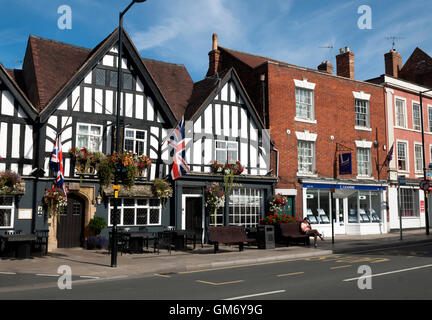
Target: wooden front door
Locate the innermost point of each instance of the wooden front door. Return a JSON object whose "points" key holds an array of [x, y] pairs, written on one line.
{"points": [[70, 229]]}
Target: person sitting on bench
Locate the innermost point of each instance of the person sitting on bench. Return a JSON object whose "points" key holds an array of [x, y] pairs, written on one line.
{"points": [[306, 228]]}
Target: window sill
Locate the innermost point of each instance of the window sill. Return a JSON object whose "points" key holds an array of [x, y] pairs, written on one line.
{"points": [[363, 128], [305, 120], [365, 178], [306, 174]]}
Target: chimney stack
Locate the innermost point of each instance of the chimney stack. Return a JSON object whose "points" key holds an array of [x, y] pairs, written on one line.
{"points": [[393, 63], [326, 66], [345, 63], [214, 57]]}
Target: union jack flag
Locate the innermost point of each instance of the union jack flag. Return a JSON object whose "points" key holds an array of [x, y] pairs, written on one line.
{"points": [[178, 145], [56, 163], [389, 156]]}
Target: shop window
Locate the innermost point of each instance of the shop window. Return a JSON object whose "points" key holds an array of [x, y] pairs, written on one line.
{"points": [[318, 204], [245, 207], [409, 202], [136, 212], [364, 206]]}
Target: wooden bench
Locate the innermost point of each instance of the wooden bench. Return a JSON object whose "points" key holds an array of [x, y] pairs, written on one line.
{"points": [[291, 232], [228, 235]]}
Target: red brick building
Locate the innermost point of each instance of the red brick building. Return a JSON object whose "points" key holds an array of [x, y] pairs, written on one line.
{"points": [[320, 123]]}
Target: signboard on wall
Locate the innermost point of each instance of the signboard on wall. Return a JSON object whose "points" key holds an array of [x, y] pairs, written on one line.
{"points": [[422, 206], [345, 163]]}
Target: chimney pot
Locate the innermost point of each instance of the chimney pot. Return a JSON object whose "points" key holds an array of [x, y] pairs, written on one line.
{"points": [[326, 66], [214, 57], [215, 44]]}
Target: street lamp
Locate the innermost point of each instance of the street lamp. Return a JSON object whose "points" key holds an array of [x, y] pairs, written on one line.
{"points": [[424, 161], [114, 248]]}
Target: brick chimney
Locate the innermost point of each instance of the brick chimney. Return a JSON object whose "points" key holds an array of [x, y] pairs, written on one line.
{"points": [[214, 57], [326, 66], [393, 63], [345, 63]]}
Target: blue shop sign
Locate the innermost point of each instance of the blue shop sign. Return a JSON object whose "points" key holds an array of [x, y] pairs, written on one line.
{"points": [[341, 186]]}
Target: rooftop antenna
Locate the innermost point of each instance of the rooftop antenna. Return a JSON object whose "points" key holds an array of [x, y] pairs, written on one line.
{"points": [[393, 38], [330, 47]]}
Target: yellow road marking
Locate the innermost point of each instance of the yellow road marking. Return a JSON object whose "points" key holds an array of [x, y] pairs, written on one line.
{"points": [[289, 274], [380, 260], [219, 283], [339, 267], [162, 275]]}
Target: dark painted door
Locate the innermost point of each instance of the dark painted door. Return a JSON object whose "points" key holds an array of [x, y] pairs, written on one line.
{"points": [[193, 213], [289, 208], [71, 224]]}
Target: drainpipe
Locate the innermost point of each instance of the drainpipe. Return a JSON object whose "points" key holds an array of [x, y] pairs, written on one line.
{"points": [[277, 161]]}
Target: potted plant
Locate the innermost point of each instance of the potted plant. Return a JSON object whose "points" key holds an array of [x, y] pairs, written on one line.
{"points": [[96, 225], [277, 202], [215, 199], [142, 163], [85, 161], [55, 200]]}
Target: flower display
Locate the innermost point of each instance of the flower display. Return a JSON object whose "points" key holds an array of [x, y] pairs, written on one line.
{"points": [[278, 201], [215, 198], [142, 162], [230, 169], [276, 219], [9, 181], [55, 199], [86, 160]]}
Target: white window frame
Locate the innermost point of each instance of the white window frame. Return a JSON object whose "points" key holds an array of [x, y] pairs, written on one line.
{"points": [[415, 202], [405, 117], [405, 142], [369, 163], [121, 208], [226, 149], [12, 208], [135, 140], [299, 166], [367, 106], [418, 144], [311, 118], [415, 103], [247, 202], [89, 135], [429, 108]]}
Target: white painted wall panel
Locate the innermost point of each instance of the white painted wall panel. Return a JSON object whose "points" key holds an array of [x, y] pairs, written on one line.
{"points": [[226, 118], [88, 78], [98, 101], [139, 106], [154, 143], [46, 166], [197, 125], [27, 168], [129, 105], [66, 168], [63, 105], [14, 167], [244, 154], [21, 113], [109, 102], [108, 60], [139, 85], [234, 127], [253, 132], [208, 146], [150, 109], [197, 154], [224, 93], [75, 96], [218, 120], [16, 140], [88, 97], [7, 107], [243, 123], [233, 97], [208, 119], [165, 149], [28, 142], [3, 139]]}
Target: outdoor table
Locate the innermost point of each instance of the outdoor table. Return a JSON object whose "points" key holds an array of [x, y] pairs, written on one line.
{"points": [[18, 244], [137, 239]]}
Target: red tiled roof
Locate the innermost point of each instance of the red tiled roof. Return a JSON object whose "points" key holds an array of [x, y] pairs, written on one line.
{"points": [[50, 65], [250, 59], [173, 81]]}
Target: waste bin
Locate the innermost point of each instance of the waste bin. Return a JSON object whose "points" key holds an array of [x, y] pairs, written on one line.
{"points": [[23, 250], [265, 237]]}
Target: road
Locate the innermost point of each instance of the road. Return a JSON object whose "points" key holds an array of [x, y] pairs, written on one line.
{"points": [[403, 272]]}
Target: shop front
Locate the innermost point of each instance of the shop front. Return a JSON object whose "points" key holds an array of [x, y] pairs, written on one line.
{"points": [[357, 209]]}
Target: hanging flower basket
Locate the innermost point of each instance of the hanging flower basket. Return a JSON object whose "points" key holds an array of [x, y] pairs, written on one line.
{"points": [[143, 163], [55, 200], [163, 190], [277, 203], [86, 161], [229, 170], [10, 182], [215, 199]]}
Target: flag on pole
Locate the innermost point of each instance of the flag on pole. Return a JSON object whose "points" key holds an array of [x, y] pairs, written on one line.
{"points": [[389, 156], [56, 163], [178, 145]]}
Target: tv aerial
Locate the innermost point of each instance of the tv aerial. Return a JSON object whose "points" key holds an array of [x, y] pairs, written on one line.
{"points": [[393, 39]]}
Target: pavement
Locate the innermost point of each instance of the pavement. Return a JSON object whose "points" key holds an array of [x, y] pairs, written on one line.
{"points": [[96, 264]]}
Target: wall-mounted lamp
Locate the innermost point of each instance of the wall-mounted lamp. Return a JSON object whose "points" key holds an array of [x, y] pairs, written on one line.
{"points": [[288, 131]]}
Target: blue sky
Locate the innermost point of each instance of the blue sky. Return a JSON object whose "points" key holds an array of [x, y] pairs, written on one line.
{"points": [[179, 31]]}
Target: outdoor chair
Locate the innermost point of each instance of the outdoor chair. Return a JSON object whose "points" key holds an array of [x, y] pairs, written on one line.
{"points": [[42, 240]]}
